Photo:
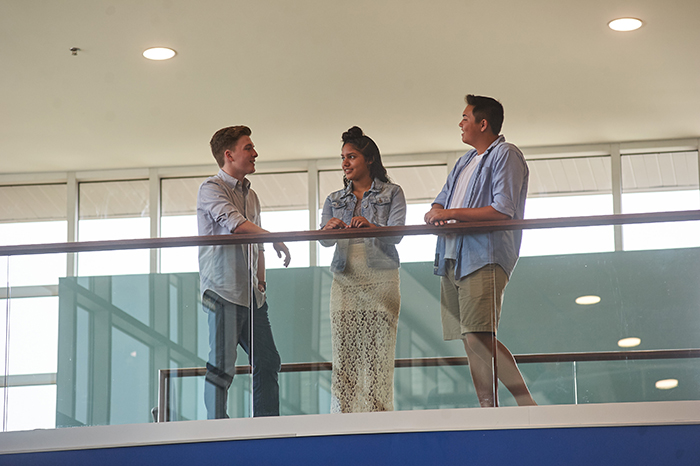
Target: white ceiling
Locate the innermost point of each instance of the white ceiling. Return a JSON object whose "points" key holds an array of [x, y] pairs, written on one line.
{"points": [[301, 72]]}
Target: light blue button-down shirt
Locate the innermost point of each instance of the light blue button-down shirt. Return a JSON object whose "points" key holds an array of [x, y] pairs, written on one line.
{"points": [[223, 203], [500, 181]]}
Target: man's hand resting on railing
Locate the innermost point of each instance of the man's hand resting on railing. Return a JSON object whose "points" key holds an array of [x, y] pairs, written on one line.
{"points": [[438, 215]]}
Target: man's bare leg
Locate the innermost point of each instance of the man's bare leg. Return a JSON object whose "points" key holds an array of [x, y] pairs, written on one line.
{"points": [[479, 348]]}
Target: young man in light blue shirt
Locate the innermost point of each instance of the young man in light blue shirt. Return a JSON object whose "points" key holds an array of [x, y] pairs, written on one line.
{"points": [[226, 204], [488, 183]]}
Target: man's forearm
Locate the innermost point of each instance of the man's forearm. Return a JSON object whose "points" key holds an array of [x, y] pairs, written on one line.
{"points": [[440, 216], [478, 214], [248, 227]]}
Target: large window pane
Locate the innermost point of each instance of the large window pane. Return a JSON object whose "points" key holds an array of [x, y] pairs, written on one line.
{"points": [[33, 335], [576, 240], [34, 214], [284, 199], [660, 183], [179, 218], [31, 407], [42, 269], [33, 203], [568, 187], [112, 211]]}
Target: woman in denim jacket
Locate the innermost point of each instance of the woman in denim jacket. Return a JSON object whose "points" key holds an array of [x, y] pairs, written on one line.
{"points": [[365, 297]]}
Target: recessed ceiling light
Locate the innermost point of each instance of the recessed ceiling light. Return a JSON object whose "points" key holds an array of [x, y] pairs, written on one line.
{"points": [[587, 300], [159, 53], [666, 384], [630, 342], [625, 24]]}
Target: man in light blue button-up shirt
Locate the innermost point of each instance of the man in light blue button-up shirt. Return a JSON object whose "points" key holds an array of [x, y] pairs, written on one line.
{"points": [[227, 205], [488, 183]]}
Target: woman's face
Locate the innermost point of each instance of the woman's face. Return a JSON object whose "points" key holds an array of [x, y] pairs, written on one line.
{"points": [[353, 164]]}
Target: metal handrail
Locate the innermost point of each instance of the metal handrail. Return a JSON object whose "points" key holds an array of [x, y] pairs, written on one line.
{"points": [[164, 375], [313, 235]]}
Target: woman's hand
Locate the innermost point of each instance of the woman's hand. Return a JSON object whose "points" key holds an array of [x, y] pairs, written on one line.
{"points": [[360, 222], [333, 224]]}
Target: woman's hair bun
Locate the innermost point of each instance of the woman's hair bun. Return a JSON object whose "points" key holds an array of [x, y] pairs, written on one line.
{"points": [[353, 133]]}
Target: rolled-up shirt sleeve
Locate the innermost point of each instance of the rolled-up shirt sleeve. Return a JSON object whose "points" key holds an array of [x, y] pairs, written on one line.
{"points": [[509, 175], [223, 212]]}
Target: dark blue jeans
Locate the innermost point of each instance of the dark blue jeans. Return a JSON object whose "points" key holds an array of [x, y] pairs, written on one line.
{"points": [[229, 326]]}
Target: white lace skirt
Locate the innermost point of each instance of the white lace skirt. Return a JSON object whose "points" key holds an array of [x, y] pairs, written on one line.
{"points": [[365, 307]]}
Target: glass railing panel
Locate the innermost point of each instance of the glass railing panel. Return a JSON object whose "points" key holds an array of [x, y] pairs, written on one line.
{"points": [[354, 324], [116, 332], [607, 303], [112, 334], [638, 380], [30, 340], [297, 307], [552, 383]]}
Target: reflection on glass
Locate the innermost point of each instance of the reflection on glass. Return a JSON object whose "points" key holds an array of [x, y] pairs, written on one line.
{"points": [[82, 365], [130, 401], [116, 333]]}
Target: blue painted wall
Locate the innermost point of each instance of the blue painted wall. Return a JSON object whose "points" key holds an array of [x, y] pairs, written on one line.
{"points": [[645, 445]]}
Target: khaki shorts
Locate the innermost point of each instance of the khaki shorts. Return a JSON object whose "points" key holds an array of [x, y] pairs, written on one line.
{"points": [[472, 304]]}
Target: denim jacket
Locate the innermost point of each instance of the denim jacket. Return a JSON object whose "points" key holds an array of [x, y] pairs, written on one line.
{"points": [[383, 205]]}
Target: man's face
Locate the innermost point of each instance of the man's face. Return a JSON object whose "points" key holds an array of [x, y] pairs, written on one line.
{"points": [[243, 157], [470, 128]]}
